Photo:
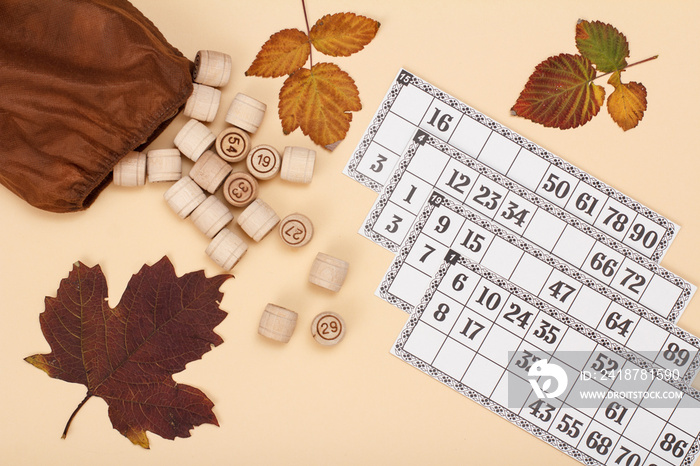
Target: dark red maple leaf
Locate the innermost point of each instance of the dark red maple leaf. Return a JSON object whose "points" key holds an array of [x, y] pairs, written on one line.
{"points": [[127, 355]]}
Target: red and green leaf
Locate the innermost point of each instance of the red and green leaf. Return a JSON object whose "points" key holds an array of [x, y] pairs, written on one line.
{"points": [[560, 93], [603, 45]]}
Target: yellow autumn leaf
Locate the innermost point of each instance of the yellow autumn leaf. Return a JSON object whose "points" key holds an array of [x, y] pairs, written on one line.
{"points": [[342, 34], [283, 53], [293, 97], [318, 100], [627, 103]]}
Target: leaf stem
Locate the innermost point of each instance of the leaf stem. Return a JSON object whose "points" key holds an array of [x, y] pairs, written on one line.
{"points": [[628, 66], [308, 33], [70, 419]]}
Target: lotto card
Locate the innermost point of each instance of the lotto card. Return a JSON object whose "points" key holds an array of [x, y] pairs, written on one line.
{"points": [[412, 104], [431, 169], [626, 315], [545, 371]]}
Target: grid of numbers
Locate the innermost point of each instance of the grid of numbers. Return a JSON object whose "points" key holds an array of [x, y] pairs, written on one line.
{"points": [[430, 166]]}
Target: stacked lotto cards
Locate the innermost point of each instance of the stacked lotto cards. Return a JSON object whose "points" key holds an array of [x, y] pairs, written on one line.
{"points": [[532, 288]]}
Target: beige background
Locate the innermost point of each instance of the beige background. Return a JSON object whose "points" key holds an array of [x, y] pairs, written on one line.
{"points": [[301, 403]]}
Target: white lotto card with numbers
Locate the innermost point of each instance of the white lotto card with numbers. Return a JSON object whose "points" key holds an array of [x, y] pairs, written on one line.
{"points": [[431, 169], [412, 104], [574, 388], [448, 229]]}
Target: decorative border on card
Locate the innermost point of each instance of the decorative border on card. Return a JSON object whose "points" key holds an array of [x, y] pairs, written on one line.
{"points": [[369, 134]]}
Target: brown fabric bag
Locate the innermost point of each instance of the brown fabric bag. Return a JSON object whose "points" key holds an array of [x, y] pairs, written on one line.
{"points": [[82, 83]]}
